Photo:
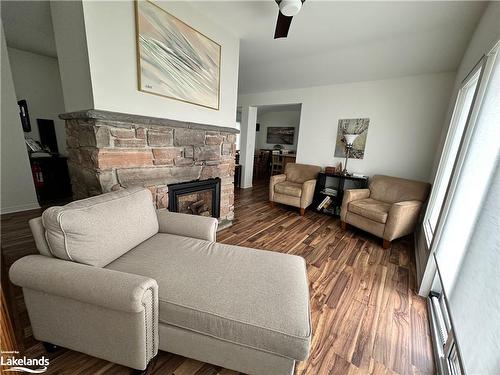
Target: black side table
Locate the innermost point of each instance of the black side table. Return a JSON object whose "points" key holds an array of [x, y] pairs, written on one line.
{"points": [[333, 185]]}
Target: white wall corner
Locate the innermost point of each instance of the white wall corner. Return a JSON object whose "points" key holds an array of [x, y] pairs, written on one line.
{"points": [[73, 56], [17, 187], [248, 130]]}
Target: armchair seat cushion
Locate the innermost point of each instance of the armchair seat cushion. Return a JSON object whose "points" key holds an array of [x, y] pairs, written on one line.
{"points": [[253, 298], [371, 209], [289, 188]]}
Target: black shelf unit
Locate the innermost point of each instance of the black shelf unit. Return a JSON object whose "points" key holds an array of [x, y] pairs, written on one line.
{"points": [[338, 182], [54, 187]]}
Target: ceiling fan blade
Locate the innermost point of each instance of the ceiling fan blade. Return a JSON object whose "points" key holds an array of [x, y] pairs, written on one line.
{"points": [[282, 26]]}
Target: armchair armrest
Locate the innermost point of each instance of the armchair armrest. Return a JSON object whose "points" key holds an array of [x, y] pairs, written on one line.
{"points": [[273, 181], [105, 313], [352, 195], [307, 193], [402, 219], [201, 227]]}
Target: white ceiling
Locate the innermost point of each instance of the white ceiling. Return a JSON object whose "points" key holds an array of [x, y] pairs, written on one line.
{"points": [[328, 42], [28, 26], [335, 42]]}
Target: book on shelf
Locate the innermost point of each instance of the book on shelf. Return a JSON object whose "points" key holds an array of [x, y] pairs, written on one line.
{"points": [[359, 175], [323, 202], [329, 191]]}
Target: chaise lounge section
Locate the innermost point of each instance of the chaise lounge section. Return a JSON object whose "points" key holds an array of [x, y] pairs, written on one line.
{"points": [[119, 280]]}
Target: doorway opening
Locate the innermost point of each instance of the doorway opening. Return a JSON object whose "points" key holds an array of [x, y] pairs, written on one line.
{"points": [[276, 138]]}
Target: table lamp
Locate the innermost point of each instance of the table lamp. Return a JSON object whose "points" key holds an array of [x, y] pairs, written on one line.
{"points": [[349, 141]]}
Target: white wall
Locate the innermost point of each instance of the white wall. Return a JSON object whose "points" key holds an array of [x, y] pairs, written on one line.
{"points": [[37, 79], [17, 189], [406, 117], [248, 122], [278, 119], [71, 44], [113, 64]]}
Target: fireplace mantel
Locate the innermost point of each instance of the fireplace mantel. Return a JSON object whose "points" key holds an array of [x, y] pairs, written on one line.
{"points": [[123, 119], [109, 151]]}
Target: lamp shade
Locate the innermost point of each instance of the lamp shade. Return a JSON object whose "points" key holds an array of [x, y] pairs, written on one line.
{"points": [[350, 138]]}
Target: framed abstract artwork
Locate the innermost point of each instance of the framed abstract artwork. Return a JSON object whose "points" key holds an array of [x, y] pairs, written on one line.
{"points": [[174, 60], [357, 126]]}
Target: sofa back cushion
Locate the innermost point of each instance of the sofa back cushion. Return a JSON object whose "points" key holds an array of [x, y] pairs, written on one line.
{"points": [[393, 189], [97, 230], [300, 173]]}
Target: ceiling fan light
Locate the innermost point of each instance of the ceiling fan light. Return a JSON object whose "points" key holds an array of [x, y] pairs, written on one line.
{"points": [[290, 8]]}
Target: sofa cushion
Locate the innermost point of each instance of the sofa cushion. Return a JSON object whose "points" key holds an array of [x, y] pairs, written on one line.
{"points": [[370, 208], [301, 173], [250, 297], [97, 230], [288, 188]]}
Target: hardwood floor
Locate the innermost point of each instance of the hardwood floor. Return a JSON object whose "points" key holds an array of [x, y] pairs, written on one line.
{"points": [[367, 318]]}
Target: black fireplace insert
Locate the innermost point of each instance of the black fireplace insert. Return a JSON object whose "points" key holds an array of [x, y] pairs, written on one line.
{"points": [[195, 197]]}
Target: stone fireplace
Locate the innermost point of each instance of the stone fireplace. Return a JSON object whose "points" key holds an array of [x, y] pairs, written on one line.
{"points": [[109, 151]]}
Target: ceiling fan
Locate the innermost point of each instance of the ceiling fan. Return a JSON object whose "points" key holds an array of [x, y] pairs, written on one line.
{"points": [[287, 9]]}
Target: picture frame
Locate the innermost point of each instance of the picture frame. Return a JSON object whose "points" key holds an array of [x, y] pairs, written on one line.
{"points": [[357, 126], [281, 135], [193, 79]]}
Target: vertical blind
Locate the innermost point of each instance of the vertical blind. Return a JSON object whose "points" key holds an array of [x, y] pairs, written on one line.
{"points": [[468, 250]]}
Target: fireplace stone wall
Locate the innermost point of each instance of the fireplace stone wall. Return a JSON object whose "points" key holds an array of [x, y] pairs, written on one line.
{"points": [[109, 151]]}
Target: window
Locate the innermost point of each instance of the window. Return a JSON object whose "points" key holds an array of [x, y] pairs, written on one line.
{"points": [[456, 130], [463, 304]]}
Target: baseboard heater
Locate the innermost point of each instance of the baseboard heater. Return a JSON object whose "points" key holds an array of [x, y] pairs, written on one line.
{"points": [[445, 350]]}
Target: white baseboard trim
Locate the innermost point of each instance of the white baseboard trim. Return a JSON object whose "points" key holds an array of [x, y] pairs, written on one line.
{"points": [[23, 207]]}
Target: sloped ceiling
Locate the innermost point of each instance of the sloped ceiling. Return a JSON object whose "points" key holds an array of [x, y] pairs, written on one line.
{"points": [[28, 26], [329, 42], [335, 42]]}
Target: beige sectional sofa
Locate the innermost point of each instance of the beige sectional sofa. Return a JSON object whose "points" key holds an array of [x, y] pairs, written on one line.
{"points": [[119, 280]]}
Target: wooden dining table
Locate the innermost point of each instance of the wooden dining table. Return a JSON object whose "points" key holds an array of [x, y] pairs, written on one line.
{"points": [[286, 157]]}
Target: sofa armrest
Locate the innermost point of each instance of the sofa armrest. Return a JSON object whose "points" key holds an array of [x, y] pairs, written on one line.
{"points": [[201, 227], [352, 195], [307, 193], [105, 313], [273, 181], [402, 219], [99, 286]]}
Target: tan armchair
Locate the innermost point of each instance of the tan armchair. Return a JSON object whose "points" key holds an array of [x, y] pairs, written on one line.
{"points": [[295, 187], [389, 208]]}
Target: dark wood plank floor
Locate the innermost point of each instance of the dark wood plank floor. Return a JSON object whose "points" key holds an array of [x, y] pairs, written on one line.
{"points": [[367, 318]]}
